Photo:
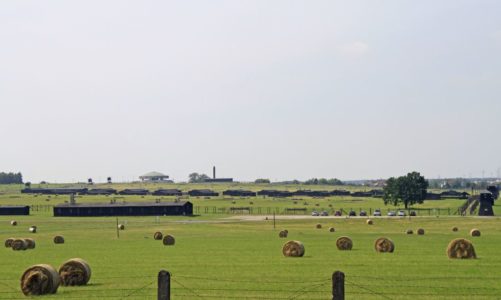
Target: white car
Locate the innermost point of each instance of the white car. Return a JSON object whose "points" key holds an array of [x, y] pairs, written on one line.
{"points": [[315, 213], [401, 213], [377, 213], [391, 214]]}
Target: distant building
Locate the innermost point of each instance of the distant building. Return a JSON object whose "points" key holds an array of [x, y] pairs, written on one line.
{"points": [[154, 177], [215, 179], [124, 209]]}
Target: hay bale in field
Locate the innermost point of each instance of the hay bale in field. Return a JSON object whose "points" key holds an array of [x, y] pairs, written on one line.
{"points": [[455, 229], [293, 249], [251, 203], [158, 236], [75, 271], [369, 222], [409, 231], [8, 242], [286, 231], [169, 240], [33, 229], [332, 229], [461, 248], [40, 280], [19, 244], [121, 226], [13, 223], [420, 231], [318, 226], [283, 234], [30, 243], [475, 232], [344, 243], [58, 239], [384, 245]]}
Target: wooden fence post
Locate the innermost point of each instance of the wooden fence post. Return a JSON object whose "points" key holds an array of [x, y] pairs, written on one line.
{"points": [[338, 285], [163, 285]]}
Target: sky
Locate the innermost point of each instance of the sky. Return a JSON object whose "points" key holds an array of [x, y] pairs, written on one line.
{"points": [[278, 89]]}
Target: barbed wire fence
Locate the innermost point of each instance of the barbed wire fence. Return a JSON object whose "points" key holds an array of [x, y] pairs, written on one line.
{"points": [[206, 287]]}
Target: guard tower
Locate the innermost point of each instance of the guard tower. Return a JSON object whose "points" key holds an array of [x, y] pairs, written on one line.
{"points": [[486, 202]]}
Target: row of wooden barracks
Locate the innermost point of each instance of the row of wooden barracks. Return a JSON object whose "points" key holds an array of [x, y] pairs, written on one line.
{"points": [[234, 193]]}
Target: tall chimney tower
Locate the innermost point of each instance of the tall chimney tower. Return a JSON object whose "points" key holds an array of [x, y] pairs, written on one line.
{"points": [[214, 172]]}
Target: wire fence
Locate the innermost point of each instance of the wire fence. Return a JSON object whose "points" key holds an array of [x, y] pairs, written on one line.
{"points": [[330, 210], [206, 287]]}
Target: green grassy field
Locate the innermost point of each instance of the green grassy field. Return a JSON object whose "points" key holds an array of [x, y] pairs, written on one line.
{"points": [[232, 257]]}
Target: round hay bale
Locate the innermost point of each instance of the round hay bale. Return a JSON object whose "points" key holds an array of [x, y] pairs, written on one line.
{"points": [[169, 240], [75, 271], [475, 232], [344, 243], [58, 239], [293, 249], [384, 245], [369, 222], [332, 229], [455, 229], [30, 243], [420, 231], [286, 231], [33, 229], [8, 242], [319, 226], [409, 231], [158, 236], [461, 248], [40, 280], [13, 223], [121, 226], [19, 244], [283, 234]]}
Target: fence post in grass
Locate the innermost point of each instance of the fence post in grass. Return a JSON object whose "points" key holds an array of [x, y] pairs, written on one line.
{"points": [[163, 285], [338, 285]]}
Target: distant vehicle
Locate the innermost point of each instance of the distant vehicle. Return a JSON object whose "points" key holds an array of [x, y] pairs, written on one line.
{"points": [[363, 213], [412, 213], [352, 213], [377, 213], [391, 214], [338, 213], [401, 213], [324, 213], [315, 213]]}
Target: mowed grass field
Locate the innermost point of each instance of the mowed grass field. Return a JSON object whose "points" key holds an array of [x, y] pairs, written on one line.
{"points": [[223, 256], [230, 258]]}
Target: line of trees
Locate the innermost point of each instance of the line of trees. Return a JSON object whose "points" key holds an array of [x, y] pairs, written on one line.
{"points": [[9, 178]]}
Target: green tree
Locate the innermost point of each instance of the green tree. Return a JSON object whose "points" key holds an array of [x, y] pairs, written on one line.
{"points": [[197, 178], [408, 190]]}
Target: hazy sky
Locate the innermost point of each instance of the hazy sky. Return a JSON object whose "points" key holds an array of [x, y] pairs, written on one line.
{"points": [[274, 89]]}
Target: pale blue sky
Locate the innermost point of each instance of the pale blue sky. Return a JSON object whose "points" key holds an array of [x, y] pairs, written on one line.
{"points": [[273, 89]]}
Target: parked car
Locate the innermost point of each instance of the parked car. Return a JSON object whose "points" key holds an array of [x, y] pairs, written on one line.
{"points": [[401, 213], [324, 213], [363, 213], [352, 213], [338, 213], [315, 213], [391, 213], [412, 213], [377, 213]]}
